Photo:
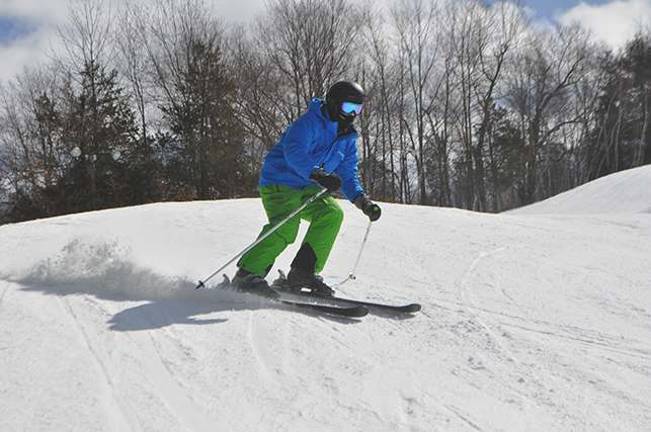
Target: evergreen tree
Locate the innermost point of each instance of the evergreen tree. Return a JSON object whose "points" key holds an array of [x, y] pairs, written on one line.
{"points": [[622, 137], [206, 149], [101, 135]]}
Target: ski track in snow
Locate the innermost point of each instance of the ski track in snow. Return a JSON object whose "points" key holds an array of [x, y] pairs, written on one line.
{"points": [[175, 396], [168, 387], [125, 418], [5, 289], [261, 361], [599, 340], [543, 389], [469, 306], [575, 335], [464, 417], [547, 328], [153, 369], [2, 296]]}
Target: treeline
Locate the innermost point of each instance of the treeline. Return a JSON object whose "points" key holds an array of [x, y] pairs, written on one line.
{"points": [[470, 105]]}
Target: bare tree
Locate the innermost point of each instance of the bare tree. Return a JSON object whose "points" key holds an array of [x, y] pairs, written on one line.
{"points": [[481, 38], [541, 92], [87, 36], [498, 30], [258, 94], [32, 137], [132, 61], [384, 108], [309, 43], [415, 22]]}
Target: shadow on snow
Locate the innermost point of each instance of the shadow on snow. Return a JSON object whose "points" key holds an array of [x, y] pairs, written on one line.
{"points": [[102, 272]]}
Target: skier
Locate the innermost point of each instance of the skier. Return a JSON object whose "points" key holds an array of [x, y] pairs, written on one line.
{"points": [[318, 150]]}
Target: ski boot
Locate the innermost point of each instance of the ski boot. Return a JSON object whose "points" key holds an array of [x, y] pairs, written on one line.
{"points": [[248, 282], [300, 281]]}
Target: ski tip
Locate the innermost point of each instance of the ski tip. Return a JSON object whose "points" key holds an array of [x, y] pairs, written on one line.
{"points": [[413, 308]]}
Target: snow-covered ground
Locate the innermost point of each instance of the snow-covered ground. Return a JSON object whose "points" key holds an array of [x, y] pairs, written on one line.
{"points": [[624, 192], [529, 322]]}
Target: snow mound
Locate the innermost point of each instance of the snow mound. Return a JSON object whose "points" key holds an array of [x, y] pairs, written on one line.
{"points": [[625, 192], [103, 269], [528, 324]]}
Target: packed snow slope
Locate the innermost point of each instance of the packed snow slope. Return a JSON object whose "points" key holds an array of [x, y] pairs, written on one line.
{"points": [[529, 323], [624, 192]]}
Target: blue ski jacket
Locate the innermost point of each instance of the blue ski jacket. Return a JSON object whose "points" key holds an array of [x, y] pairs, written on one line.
{"points": [[311, 142]]}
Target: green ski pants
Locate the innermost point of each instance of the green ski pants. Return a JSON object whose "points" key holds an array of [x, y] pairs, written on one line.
{"points": [[325, 217]]}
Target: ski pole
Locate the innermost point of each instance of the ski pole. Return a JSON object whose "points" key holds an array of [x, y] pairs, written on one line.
{"points": [[352, 276], [264, 236]]}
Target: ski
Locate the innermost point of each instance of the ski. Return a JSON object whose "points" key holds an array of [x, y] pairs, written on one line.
{"points": [[356, 311], [406, 308], [280, 286], [346, 302], [346, 311]]}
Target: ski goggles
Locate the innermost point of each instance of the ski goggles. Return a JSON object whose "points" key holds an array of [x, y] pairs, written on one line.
{"points": [[350, 108]]}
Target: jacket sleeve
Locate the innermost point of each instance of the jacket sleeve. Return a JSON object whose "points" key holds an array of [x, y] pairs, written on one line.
{"points": [[349, 174], [299, 141]]}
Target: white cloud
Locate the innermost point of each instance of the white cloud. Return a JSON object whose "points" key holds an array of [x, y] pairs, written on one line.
{"points": [[42, 18], [50, 10], [613, 23], [18, 54], [46, 15], [237, 11]]}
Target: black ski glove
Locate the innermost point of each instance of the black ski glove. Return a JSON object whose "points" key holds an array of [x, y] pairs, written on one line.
{"points": [[332, 182], [369, 208]]}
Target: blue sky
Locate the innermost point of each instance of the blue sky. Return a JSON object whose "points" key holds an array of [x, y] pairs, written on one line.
{"points": [[549, 8], [12, 28]]}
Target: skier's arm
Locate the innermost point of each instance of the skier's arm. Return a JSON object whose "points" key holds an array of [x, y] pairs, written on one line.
{"points": [[299, 141], [347, 170]]}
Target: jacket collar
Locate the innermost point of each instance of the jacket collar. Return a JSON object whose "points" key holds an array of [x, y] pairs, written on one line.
{"points": [[317, 107]]}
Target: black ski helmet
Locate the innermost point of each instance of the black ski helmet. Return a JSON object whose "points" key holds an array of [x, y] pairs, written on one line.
{"points": [[340, 92]]}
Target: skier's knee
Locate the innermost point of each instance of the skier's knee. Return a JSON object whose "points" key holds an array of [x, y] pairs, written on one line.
{"points": [[288, 237], [289, 232], [336, 214]]}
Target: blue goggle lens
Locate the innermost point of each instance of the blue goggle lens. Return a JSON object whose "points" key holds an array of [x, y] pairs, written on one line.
{"points": [[350, 108]]}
